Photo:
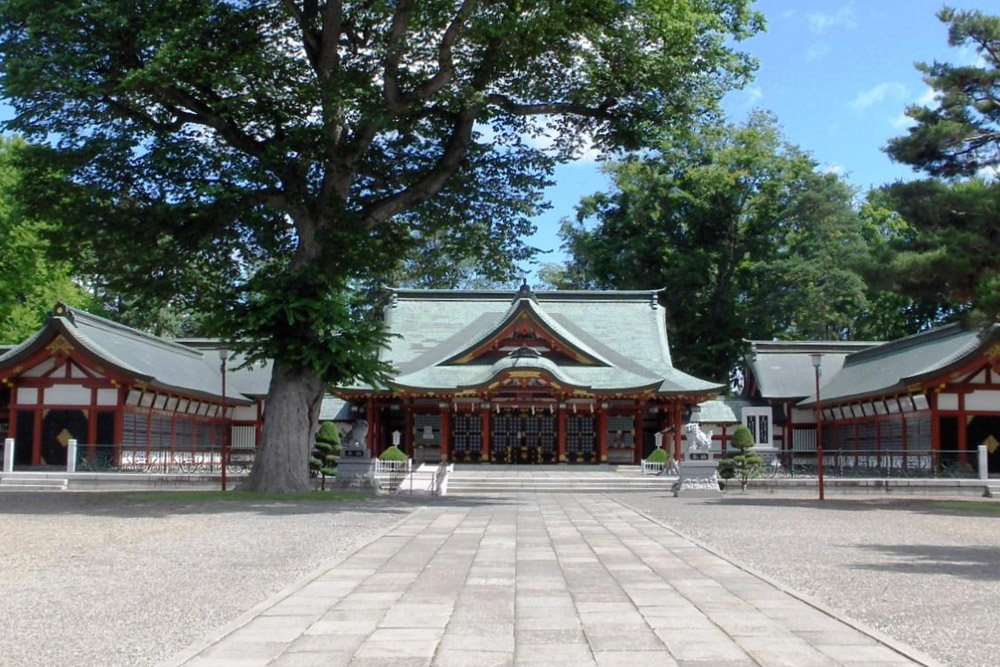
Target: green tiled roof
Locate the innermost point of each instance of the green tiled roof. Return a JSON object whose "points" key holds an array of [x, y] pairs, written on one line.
{"points": [[624, 333], [160, 363], [893, 366], [784, 369]]}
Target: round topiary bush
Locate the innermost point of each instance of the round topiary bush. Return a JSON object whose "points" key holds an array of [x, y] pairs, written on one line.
{"points": [[742, 438], [393, 453], [658, 455]]}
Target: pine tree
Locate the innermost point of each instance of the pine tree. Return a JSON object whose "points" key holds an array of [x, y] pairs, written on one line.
{"points": [[742, 462], [326, 452]]}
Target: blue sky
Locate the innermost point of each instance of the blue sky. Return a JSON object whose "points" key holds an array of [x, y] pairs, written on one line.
{"points": [[837, 73]]}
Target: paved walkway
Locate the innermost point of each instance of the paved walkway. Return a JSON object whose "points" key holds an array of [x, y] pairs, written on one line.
{"points": [[540, 580]]}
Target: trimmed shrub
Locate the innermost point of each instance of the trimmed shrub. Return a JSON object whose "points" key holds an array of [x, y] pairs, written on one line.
{"points": [[659, 455], [742, 438], [393, 453], [326, 452], [742, 462]]}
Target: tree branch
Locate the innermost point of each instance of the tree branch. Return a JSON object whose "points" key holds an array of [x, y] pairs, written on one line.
{"points": [[446, 66], [394, 53], [549, 108], [433, 181]]}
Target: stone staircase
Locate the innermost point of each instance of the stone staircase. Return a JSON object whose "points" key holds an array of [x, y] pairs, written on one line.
{"points": [[499, 479], [33, 483], [993, 488]]}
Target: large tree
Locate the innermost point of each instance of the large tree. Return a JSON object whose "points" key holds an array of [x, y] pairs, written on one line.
{"points": [[748, 237], [261, 157], [959, 133]]}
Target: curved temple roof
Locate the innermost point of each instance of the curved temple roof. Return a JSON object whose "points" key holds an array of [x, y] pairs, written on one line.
{"points": [[894, 366], [605, 342], [158, 362]]}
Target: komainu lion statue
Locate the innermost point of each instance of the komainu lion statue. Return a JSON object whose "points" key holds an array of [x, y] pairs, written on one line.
{"points": [[355, 438], [698, 440]]}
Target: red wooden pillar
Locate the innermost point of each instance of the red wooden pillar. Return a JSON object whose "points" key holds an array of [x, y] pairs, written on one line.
{"points": [[637, 444], [370, 436], [408, 428], [484, 415], [36, 444], [445, 431], [602, 433], [677, 430], [962, 445], [561, 435]]}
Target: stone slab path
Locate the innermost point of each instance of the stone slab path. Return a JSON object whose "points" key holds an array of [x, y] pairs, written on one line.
{"points": [[539, 580]]}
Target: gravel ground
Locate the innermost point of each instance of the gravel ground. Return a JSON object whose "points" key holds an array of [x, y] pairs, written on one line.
{"points": [[102, 580], [922, 573]]}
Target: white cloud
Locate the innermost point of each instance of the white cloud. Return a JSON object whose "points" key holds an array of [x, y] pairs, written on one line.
{"points": [[989, 174], [817, 50], [928, 99], [754, 94], [788, 13], [878, 94], [833, 168], [820, 22], [902, 121]]}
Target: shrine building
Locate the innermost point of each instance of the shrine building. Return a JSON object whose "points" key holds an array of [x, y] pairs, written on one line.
{"points": [[528, 377], [933, 396], [98, 382]]}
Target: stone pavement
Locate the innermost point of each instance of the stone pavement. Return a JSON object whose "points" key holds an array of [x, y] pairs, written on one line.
{"points": [[539, 580]]}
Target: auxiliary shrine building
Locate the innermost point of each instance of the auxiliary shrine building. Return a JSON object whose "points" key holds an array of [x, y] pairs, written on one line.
{"points": [[530, 377], [98, 382]]}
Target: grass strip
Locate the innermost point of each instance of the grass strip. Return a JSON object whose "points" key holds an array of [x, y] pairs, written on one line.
{"points": [[977, 506]]}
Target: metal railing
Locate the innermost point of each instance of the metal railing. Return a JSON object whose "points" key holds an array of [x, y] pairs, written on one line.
{"points": [[392, 473], [137, 459], [868, 463], [658, 467]]}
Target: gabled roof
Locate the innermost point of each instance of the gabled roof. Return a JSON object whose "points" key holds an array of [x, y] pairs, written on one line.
{"points": [[892, 367], [158, 362], [618, 339], [784, 369]]}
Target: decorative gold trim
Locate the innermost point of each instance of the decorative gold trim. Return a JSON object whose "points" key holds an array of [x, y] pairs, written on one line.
{"points": [[59, 345]]}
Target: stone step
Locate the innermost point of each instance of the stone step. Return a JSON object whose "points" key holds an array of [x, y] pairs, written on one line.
{"points": [[993, 490], [34, 483]]}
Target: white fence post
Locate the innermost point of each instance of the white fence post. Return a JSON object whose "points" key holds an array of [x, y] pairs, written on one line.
{"points": [[8, 455], [71, 456], [984, 464]]}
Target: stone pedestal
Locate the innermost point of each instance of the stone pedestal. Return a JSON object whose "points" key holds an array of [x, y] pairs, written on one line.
{"points": [[698, 479], [355, 472]]}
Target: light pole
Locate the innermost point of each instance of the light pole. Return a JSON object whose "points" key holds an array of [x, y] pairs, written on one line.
{"points": [[816, 359], [223, 358]]}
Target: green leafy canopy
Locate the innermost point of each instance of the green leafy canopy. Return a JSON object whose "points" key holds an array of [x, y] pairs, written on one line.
{"points": [[261, 161]]}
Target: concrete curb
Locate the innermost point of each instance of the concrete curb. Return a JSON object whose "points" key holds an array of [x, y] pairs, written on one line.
{"points": [[221, 632], [899, 647]]}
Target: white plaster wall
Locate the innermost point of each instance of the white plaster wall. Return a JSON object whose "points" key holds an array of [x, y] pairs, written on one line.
{"points": [[948, 402], [27, 395], [983, 400], [801, 416], [67, 394], [107, 397], [245, 413]]}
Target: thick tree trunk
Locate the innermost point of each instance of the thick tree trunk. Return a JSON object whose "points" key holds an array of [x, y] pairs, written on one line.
{"points": [[291, 419]]}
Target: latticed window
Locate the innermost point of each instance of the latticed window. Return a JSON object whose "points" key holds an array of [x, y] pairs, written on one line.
{"points": [[134, 429], [467, 436], [580, 436], [620, 434], [866, 436], [427, 430], [160, 432]]}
